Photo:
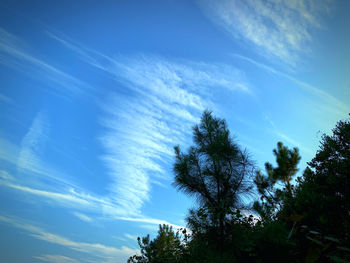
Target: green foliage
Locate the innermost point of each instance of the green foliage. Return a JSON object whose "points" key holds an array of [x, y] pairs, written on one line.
{"points": [[322, 197], [216, 171], [273, 198], [309, 222], [166, 247], [330, 184]]}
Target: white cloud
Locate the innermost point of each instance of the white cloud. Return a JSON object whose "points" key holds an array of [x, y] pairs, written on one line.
{"points": [[120, 202], [93, 249], [33, 144], [56, 259], [282, 29], [28, 156], [141, 131], [59, 197], [83, 217], [104, 207], [286, 138], [14, 54], [132, 237], [4, 175], [328, 102], [6, 99], [152, 73], [149, 221], [8, 151]]}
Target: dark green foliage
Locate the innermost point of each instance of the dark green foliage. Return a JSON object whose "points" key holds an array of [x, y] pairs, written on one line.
{"points": [[309, 222], [330, 184], [166, 247], [273, 198], [323, 196], [216, 171]]}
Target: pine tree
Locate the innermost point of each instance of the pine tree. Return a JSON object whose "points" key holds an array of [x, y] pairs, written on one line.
{"points": [[216, 171]]}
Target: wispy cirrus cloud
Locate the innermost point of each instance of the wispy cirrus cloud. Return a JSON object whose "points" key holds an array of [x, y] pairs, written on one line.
{"points": [[281, 29], [102, 207], [151, 222], [163, 98], [27, 156], [14, 53], [132, 237], [154, 108], [102, 252], [83, 217], [168, 98], [198, 75], [33, 144], [86, 206], [60, 197], [35, 179], [285, 137], [328, 103], [56, 259], [5, 99]]}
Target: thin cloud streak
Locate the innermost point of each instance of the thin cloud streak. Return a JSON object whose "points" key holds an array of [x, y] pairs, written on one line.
{"points": [[93, 249], [132, 237], [13, 54], [27, 156], [197, 74], [33, 143], [150, 221], [140, 131], [5, 99], [56, 259], [60, 197], [279, 29], [83, 217], [27, 159], [285, 137], [102, 207], [335, 105]]}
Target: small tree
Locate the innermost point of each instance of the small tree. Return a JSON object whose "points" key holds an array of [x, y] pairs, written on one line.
{"points": [[272, 198], [166, 247], [323, 195], [216, 171]]}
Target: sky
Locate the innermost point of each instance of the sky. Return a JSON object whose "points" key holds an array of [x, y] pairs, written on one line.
{"points": [[94, 95]]}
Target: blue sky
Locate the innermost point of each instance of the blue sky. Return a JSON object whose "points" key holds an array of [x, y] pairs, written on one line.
{"points": [[94, 95]]}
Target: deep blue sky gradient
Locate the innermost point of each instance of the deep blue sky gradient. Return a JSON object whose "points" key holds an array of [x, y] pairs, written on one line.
{"points": [[94, 95]]}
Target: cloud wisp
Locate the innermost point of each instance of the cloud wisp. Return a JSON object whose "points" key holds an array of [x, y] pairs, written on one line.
{"points": [[141, 130], [27, 157], [56, 259], [101, 207], [280, 29], [15, 54], [155, 103], [5, 99], [33, 144], [328, 102], [36, 179], [102, 252]]}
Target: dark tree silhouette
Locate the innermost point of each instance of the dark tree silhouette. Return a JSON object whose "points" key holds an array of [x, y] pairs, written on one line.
{"points": [[309, 222], [215, 170], [166, 247], [273, 198], [323, 195]]}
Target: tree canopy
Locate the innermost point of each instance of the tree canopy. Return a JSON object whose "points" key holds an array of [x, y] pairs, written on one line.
{"points": [[215, 170], [308, 221]]}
